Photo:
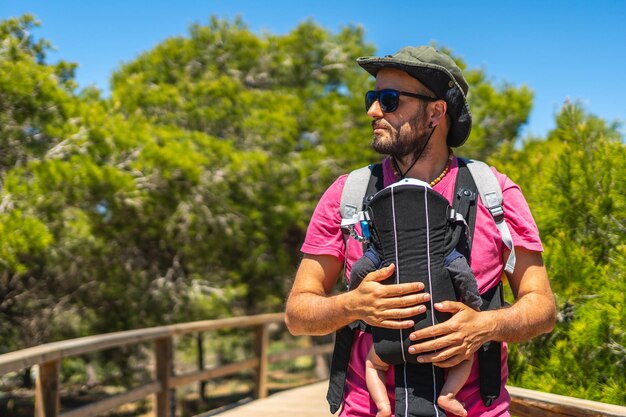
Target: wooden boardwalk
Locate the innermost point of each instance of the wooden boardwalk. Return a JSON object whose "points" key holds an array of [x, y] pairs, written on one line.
{"points": [[306, 401], [310, 401]]}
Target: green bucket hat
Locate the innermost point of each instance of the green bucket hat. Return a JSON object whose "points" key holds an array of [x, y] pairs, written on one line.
{"points": [[440, 74]]}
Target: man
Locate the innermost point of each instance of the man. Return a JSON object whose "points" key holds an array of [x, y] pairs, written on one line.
{"points": [[419, 111]]}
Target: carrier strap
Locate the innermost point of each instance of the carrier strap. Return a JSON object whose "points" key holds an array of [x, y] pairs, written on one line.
{"points": [[491, 197], [489, 354], [360, 185], [465, 204], [354, 190], [344, 338]]}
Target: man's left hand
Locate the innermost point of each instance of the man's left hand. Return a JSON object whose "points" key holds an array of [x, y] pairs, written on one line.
{"points": [[453, 341]]}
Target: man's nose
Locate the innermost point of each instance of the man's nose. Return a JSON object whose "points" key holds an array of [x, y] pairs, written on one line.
{"points": [[375, 111]]}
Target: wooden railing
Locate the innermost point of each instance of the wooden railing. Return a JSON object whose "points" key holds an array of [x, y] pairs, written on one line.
{"points": [[528, 403], [47, 358]]}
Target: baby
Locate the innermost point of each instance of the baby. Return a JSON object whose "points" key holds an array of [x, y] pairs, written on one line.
{"points": [[406, 220], [375, 369]]}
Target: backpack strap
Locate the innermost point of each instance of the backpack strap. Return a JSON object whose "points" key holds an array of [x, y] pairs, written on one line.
{"points": [[344, 338], [465, 204], [491, 197], [359, 188], [490, 353], [354, 191]]}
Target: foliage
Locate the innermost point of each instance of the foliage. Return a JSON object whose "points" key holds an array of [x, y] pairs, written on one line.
{"points": [[183, 196], [575, 183]]}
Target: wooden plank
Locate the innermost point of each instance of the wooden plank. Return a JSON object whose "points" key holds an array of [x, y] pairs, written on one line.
{"points": [[306, 401], [521, 409], [14, 361], [55, 351], [215, 372], [47, 400], [261, 347], [230, 323], [535, 403], [164, 364], [114, 401], [200, 360]]}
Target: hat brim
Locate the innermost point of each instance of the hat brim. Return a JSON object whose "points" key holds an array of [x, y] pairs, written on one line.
{"points": [[441, 82]]}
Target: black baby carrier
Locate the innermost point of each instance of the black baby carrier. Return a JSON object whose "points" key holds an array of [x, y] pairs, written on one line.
{"points": [[415, 228], [412, 226]]}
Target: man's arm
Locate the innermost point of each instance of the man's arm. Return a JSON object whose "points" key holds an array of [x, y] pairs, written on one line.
{"points": [[312, 310], [533, 313]]}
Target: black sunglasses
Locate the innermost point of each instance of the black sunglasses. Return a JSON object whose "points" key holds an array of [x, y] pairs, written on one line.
{"points": [[389, 99]]}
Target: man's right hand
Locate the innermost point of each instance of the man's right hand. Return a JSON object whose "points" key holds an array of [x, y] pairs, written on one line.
{"points": [[390, 306]]}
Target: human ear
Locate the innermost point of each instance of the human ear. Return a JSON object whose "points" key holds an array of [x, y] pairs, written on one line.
{"points": [[438, 112]]}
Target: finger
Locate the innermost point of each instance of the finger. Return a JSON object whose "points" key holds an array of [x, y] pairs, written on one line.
{"points": [[442, 363], [410, 300], [397, 290], [439, 354], [401, 313], [396, 324], [444, 355], [413, 300], [432, 346], [380, 274], [449, 306], [430, 332]]}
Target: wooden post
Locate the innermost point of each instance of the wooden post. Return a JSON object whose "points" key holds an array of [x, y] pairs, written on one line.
{"points": [[164, 365], [47, 400], [200, 345], [262, 345]]}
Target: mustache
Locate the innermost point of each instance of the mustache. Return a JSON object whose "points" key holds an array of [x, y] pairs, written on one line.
{"points": [[380, 124]]}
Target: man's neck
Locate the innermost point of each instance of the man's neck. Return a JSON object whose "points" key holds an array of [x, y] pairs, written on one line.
{"points": [[428, 167]]}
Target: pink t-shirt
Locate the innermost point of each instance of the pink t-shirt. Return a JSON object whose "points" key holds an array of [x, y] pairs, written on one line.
{"points": [[324, 237]]}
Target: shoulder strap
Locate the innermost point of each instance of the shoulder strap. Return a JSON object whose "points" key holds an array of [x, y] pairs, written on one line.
{"points": [[358, 185], [465, 204], [358, 189], [354, 192], [473, 178], [491, 197]]}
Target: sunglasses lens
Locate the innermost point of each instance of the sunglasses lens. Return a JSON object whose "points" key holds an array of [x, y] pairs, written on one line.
{"points": [[388, 100], [370, 98]]}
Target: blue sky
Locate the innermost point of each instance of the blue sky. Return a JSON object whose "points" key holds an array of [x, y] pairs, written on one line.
{"points": [[561, 49]]}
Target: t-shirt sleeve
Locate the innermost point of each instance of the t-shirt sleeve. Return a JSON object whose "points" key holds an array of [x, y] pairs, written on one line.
{"points": [[323, 235], [517, 214]]}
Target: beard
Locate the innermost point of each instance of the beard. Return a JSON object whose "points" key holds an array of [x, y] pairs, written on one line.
{"points": [[409, 141]]}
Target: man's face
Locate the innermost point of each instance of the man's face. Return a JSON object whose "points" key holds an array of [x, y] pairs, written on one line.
{"points": [[403, 132]]}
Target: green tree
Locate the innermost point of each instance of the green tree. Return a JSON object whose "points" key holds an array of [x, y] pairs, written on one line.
{"points": [[575, 182], [284, 105], [35, 99]]}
